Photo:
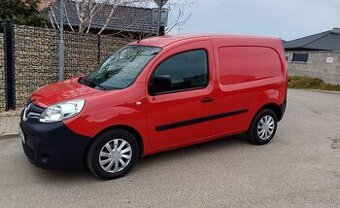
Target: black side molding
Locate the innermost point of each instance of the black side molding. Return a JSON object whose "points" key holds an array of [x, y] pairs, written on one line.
{"points": [[198, 120]]}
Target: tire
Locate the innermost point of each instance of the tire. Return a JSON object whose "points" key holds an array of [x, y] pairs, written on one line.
{"points": [[259, 132], [112, 154]]}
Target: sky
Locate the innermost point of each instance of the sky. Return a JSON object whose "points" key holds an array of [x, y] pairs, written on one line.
{"points": [[287, 19]]}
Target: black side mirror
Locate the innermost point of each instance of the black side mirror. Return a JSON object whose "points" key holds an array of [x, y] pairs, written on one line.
{"points": [[160, 84]]}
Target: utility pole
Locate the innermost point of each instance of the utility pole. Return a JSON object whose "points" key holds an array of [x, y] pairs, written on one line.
{"points": [[160, 4], [61, 43]]}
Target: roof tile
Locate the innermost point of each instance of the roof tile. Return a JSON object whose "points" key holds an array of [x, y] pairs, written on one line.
{"points": [[124, 18], [326, 41]]}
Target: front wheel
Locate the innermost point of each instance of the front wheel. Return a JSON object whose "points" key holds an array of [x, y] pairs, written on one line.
{"points": [[263, 127], [112, 154]]}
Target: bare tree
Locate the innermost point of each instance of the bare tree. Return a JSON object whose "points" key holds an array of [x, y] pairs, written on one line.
{"points": [[86, 10], [179, 12]]}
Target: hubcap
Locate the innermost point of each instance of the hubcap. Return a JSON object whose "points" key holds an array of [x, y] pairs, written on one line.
{"points": [[265, 127], [115, 155]]}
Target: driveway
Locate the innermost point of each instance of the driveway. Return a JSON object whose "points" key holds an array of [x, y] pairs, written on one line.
{"points": [[299, 168]]}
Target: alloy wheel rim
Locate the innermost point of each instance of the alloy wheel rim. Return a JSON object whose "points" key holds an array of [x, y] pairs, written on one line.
{"points": [[115, 155], [265, 127]]}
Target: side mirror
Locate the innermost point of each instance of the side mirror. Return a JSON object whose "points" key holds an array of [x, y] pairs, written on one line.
{"points": [[160, 84]]}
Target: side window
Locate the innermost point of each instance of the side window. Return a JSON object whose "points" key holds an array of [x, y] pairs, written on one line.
{"points": [[185, 70]]}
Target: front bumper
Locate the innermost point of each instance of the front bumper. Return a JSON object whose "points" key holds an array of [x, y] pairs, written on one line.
{"points": [[53, 145]]}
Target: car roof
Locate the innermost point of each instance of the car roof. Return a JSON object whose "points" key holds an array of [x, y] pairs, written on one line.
{"points": [[163, 41]]}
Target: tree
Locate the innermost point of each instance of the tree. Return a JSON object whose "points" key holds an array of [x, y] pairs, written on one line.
{"points": [[86, 10], [22, 12], [180, 14]]}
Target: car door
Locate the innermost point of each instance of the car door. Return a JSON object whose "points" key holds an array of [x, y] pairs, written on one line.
{"points": [[176, 115]]}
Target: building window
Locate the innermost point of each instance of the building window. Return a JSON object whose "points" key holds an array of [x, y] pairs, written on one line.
{"points": [[300, 57]]}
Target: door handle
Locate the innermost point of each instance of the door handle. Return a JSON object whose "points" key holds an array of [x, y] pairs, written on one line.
{"points": [[207, 100]]}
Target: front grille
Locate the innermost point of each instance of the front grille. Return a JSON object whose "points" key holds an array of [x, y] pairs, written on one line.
{"points": [[32, 111]]}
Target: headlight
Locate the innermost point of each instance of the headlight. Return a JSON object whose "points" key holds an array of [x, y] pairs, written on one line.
{"points": [[62, 111]]}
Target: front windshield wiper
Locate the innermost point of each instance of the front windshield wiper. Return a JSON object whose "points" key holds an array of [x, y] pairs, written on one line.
{"points": [[87, 82], [90, 83], [100, 86]]}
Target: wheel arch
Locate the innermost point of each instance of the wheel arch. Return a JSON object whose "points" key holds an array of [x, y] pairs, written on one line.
{"points": [[252, 129], [130, 129], [272, 106], [275, 108]]}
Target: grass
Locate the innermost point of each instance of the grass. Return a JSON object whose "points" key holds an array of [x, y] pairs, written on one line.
{"points": [[298, 82]]}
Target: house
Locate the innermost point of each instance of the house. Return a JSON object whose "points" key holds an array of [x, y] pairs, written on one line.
{"points": [[125, 20], [316, 56]]}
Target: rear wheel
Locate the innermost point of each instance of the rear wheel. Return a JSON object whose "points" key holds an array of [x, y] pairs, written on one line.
{"points": [[263, 127], [113, 154]]}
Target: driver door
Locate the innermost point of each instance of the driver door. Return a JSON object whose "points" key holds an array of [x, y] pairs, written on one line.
{"points": [[179, 115]]}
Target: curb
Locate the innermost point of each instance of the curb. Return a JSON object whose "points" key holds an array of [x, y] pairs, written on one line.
{"points": [[9, 136], [324, 91], [316, 90], [9, 113]]}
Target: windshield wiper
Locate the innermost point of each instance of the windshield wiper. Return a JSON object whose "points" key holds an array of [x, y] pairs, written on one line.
{"points": [[100, 86], [92, 84], [88, 82]]}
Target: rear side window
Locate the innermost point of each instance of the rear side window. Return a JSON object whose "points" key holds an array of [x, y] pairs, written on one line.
{"points": [[187, 70], [245, 64]]}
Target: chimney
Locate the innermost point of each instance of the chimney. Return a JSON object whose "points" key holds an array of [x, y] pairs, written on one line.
{"points": [[336, 30]]}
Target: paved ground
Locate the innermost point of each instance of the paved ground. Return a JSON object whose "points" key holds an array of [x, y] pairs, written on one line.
{"points": [[299, 168], [9, 126]]}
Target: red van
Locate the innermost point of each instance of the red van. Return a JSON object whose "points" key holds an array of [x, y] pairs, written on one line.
{"points": [[155, 95]]}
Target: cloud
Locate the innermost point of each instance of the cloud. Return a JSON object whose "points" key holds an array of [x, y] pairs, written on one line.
{"points": [[287, 19]]}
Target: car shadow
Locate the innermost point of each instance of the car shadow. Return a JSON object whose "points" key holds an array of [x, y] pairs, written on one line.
{"points": [[145, 163], [62, 176], [221, 144]]}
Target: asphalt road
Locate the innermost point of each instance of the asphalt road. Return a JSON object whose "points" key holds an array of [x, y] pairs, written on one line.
{"points": [[299, 168]]}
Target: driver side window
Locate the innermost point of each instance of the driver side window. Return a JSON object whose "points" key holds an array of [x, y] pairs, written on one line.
{"points": [[186, 70]]}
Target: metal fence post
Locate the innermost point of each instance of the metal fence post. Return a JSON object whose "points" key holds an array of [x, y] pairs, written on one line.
{"points": [[9, 58], [61, 67], [99, 50]]}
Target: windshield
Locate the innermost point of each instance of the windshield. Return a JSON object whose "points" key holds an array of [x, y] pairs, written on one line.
{"points": [[122, 68]]}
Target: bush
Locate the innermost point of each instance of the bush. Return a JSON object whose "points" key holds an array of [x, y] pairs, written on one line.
{"points": [[310, 83]]}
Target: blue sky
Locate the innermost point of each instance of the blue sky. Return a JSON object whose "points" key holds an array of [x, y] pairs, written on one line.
{"points": [[288, 19]]}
